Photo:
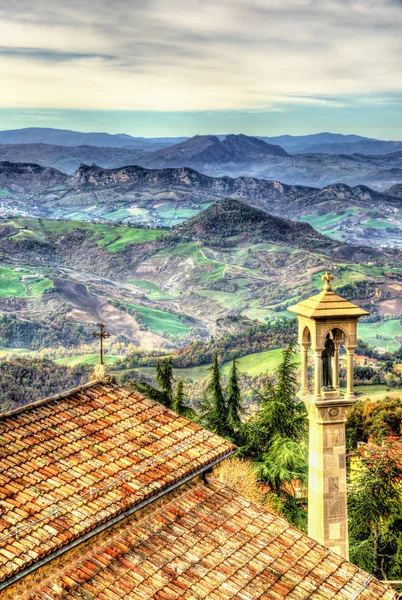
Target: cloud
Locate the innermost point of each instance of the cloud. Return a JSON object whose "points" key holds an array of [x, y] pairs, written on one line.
{"points": [[185, 55], [44, 54]]}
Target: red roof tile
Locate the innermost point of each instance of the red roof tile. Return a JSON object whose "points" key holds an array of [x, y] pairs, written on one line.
{"points": [[71, 463], [210, 543]]}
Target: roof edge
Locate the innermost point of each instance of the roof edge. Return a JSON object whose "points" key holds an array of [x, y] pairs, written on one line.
{"points": [[48, 399]]}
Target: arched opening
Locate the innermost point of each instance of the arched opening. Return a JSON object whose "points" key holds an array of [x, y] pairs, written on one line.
{"points": [[330, 358], [306, 336]]}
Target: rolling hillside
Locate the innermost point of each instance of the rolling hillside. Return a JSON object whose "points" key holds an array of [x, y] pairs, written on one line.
{"points": [[162, 289], [165, 197]]}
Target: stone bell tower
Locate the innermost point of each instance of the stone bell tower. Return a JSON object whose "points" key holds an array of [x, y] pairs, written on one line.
{"points": [[325, 322]]}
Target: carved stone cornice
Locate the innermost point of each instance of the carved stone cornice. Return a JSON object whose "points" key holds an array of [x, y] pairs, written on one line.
{"points": [[328, 411]]}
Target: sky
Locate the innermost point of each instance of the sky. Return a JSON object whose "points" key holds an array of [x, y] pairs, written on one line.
{"points": [[182, 67]]}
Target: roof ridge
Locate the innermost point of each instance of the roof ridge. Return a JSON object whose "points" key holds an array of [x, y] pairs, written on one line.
{"points": [[48, 399]]}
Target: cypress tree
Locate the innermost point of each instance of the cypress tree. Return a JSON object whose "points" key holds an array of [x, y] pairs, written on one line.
{"points": [[216, 416], [164, 378], [179, 402], [234, 408]]}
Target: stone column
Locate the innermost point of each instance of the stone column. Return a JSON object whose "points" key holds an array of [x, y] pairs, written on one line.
{"points": [[335, 366], [317, 373], [350, 394], [304, 368], [327, 501]]}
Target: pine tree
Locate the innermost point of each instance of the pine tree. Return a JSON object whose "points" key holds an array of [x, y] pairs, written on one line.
{"points": [[234, 408], [164, 378], [216, 410], [179, 402], [276, 437]]}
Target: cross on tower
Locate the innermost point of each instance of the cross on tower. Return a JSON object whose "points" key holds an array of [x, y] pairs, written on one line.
{"points": [[101, 335], [327, 278]]}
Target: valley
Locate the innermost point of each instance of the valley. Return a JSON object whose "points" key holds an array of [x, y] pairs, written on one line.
{"points": [[162, 289], [190, 240]]}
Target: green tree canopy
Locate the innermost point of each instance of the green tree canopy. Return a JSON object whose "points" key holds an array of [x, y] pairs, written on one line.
{"points": [[375, 512], [234, 402]]}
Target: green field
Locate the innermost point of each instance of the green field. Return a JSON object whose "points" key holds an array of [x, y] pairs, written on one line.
{"points": [[150, 288], [160, 321], [382, 334], [21, 284], [378, 223], [323, 222], [363, 390], [252, 364], [117, 215], [255, 364], [112, 237], [86, 359], [342, 277], [133, 236]]}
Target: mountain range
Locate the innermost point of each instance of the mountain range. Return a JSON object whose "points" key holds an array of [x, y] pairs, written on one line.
{"points": [[234, 155], [331, 143], [63, 137], [165, 197]]}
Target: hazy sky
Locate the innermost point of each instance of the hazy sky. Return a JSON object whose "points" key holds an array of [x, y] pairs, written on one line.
{"points": [[179, 67]]}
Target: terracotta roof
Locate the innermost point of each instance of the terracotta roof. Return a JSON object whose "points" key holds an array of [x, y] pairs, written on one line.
{"points": [[73, 462], [327, 304], [210, 543]]}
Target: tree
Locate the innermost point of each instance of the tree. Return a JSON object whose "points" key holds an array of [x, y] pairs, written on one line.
{"points": [[179, 402], [164, 378], [373, 421], [375, 514], [276, 439], [214, 405], [234, 408]]}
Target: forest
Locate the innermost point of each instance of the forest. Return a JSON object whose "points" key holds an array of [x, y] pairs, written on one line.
{"points": [[24, 380]]}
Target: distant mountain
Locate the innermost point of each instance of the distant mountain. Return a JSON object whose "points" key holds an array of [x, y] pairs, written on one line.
{"points": [[27, 179], [64, 137], [166, 197], [236, 155], [232, 218], [69, 158], [365, 147], [395, 190], [333, 143], [296, 144], [210, 150], [272, 196], [321, 143]]}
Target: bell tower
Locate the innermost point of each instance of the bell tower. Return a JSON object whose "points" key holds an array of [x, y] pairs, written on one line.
{"points": [[326, 321]]}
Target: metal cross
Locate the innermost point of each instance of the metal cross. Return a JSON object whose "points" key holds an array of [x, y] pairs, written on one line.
{"points": [[101, 335], [327, 278]]}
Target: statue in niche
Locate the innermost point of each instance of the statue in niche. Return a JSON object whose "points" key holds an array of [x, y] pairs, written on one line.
{"points": [[326, 357]]}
